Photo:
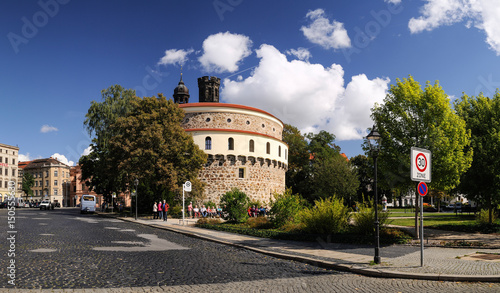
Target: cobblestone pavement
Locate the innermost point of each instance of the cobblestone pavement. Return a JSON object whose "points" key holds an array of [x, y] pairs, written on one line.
{"points": [[64, 251]]}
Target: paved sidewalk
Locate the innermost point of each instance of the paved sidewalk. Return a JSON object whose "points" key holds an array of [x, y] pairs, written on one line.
{"points": [[398, 261]]}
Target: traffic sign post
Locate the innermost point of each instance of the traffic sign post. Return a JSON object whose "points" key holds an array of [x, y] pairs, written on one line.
{"points": [[185, 187], [421, 171]]}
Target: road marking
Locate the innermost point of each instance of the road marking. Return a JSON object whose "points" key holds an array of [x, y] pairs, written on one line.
{"points": [[155, 244]]}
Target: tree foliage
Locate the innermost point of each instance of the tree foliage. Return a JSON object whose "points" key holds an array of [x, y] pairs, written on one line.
{"points": [[412, 117], [481, 182], [28, 183], [315, 167], [97, 166], [150, 144]]}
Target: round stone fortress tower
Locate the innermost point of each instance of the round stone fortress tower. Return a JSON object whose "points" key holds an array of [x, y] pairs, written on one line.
{"points": [[244, 144]]}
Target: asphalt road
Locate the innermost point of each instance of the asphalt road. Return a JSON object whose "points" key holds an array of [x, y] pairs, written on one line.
{"points": [[62, 249]]}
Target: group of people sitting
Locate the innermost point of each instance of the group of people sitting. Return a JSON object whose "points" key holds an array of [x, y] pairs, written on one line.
{"points": [[205, 212], [254, 211]]}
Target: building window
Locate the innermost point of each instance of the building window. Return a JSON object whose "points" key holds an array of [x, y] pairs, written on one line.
{"points": [[55, 182], [0, 184], [241, 173], [263, 125], [13, 172], [286, 155], [228, 120], [1, 171], [55, 191], [230, 144], [268, 148], [56, 173], [13, 161], [46, 182], [279, 151], [251, 146], [208, 143], [47, 173], [207, 120], [248, 122], [36, 183]]}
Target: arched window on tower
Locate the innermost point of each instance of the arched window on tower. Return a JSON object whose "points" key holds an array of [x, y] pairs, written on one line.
{"points": [[208, 143], [230, 144], [251, 146], [279, 151], [268, 148]]}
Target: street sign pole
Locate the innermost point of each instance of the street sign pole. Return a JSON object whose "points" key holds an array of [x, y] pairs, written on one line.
{"points": [[183, 204], [421, 231]]}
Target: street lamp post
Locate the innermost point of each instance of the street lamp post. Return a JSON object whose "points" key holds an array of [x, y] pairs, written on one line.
{"points": [[374, 141], [136, 182]]}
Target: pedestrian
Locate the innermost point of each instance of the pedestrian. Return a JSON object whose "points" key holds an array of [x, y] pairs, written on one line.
{"points": [[196, 211], [190, 209], [165, 210], [155, 210], [160, 210]]}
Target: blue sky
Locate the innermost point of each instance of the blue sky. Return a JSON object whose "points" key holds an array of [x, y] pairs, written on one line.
{"points": [[318, 65]]}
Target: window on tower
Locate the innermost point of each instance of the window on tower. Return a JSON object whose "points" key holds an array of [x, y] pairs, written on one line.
{"points": [[208, 143], [268, 148], [230, 144], [251, 146]]}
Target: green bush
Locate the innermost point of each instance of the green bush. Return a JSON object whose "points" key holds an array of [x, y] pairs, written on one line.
{"points": [[483, 217], [175, 212], [259, 223], [285, 207], [208, 221], [328, 216], [236, 203], [364, 219]]}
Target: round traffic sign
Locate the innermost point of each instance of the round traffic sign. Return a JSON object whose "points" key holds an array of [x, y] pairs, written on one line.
{"points": [[421, 162], [422, 189]]}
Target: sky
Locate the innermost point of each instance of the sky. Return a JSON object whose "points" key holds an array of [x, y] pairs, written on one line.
{"points": [[317, 65]]}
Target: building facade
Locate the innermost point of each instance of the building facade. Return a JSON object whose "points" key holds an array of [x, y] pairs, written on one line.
{"points": [[8, 170], [244, 145], [52, 180]]}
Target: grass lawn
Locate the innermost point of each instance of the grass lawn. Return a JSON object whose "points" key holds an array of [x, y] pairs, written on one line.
{"points": [[437, 220]]}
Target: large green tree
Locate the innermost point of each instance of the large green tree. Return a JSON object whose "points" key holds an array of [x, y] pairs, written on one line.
{"points": [[414, 117], [316, 169], [150, 144], [97, 167], [481, 182]]}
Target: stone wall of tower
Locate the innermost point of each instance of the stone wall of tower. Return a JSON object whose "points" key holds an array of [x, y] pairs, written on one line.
{"points": [[236, 121], [263, 178]]}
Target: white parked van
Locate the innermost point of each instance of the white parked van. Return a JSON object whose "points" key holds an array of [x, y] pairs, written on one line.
{"points": [[87, 203]]}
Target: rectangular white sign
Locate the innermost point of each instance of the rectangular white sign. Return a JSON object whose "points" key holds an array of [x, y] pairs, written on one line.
{"points": [[420, 165]]}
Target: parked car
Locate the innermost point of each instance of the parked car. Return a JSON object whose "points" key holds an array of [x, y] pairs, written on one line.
{"points": [[46, 205]]}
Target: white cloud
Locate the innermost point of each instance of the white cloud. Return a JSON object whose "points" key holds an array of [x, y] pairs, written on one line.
{"points": [[87, 151], [326, 34], [175, 57], [47, 128], [24, 158], [309, 96], [223, 52], [63, 159], [393, 1], [483, 14], [301, 53]]}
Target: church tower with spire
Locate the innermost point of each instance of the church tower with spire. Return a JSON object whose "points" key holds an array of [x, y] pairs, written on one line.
{"points": [[181, 93]]}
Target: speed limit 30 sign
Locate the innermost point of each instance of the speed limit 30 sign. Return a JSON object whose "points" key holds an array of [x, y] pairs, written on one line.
{"points": [[420, 165]]}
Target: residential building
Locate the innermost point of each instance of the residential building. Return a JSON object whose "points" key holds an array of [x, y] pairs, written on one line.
{"points": [[8, 169]]}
